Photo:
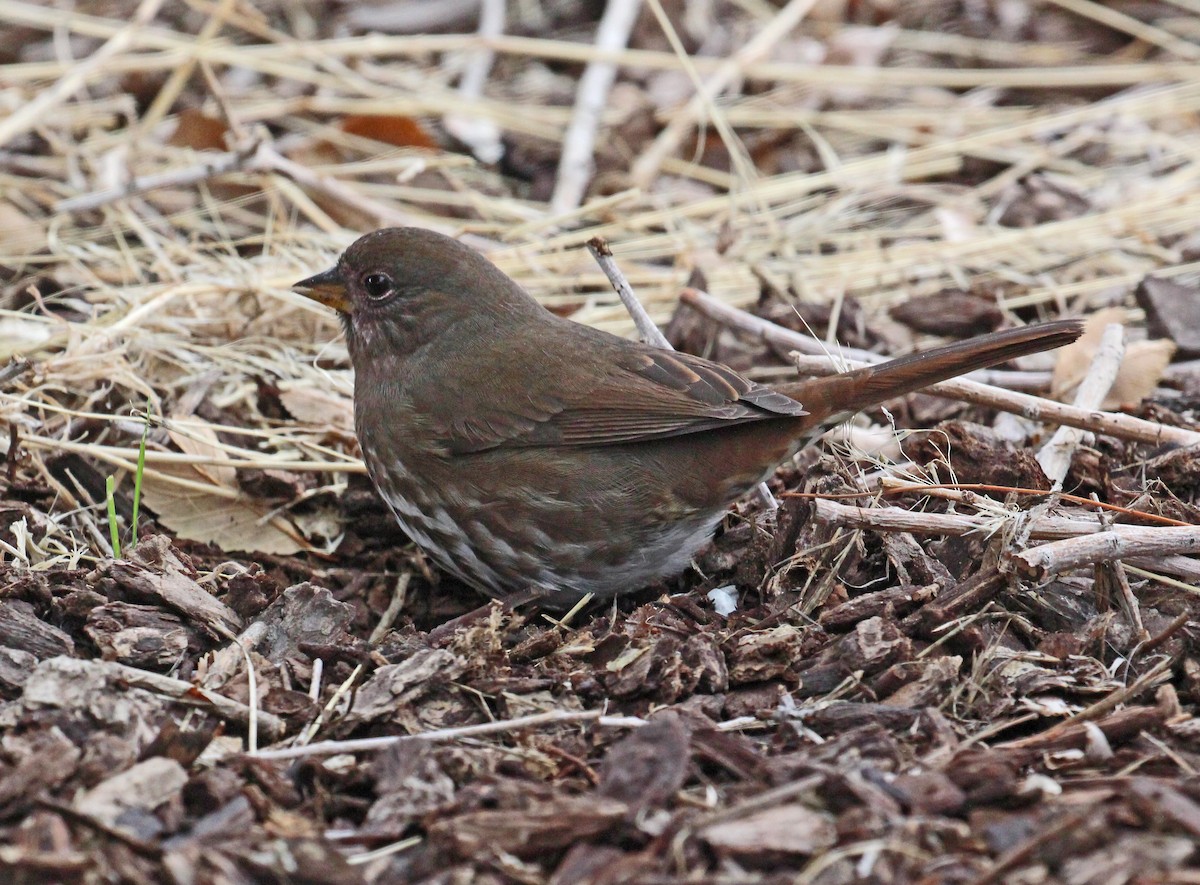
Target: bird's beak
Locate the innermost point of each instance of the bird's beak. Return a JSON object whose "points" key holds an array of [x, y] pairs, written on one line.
{"points": [[328, 288]]}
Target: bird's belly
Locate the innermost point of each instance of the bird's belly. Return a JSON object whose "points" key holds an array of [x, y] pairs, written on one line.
{"points": [[568, 523]]}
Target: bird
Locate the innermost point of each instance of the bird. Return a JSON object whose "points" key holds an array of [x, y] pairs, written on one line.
{"points": [[526, 453]]}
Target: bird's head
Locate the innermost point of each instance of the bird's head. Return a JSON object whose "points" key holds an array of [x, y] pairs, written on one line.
{"points": [[407, 285]]}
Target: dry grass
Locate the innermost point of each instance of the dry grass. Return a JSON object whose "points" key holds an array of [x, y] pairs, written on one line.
{"points": [[163, 182], [180, 292]]}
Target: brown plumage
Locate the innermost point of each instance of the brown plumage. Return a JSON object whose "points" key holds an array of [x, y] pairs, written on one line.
{"points": [[525, 451]]}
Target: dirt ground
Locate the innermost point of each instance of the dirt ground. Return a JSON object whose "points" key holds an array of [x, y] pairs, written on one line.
{"points": [[924, 666]]}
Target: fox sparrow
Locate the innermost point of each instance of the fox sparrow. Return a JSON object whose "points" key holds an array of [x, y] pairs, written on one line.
{"points": [[524, 451]]}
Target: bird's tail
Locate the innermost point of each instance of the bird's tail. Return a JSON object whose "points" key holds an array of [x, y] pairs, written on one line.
{"points": [[845, 394]]}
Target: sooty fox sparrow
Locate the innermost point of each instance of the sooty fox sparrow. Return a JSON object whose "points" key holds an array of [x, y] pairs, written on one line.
{"points": [[525, 451]]}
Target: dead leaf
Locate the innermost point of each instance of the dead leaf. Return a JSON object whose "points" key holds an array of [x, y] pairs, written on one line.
{"points": [[199, 131], [1141, 369], [20, 235], [324, 408], [787, 829], [390, 129], [224, 516]]}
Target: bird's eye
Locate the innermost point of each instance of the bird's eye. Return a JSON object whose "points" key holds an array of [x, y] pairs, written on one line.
{"points": [[377, 284]]}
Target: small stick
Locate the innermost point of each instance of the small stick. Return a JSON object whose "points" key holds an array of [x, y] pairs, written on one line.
{"points": [[388, 618], [216, 165], [772, 333], [1116, 571], [576, 163], [897, 519], [1110, 702], [362, 745], [647, 330], [269, 725], [1055, 456], [313, 727], [15, 369], [1026, 850], [966, 493], [1129, 600], [1034, 407], [1177, 624], [1060, 556], [258, 156]]}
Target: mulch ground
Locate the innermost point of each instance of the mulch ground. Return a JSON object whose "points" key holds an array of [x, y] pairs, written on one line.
{"points": [[271, 684]]}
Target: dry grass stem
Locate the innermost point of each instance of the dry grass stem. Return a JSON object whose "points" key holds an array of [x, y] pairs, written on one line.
{"points": [[168, 171]]}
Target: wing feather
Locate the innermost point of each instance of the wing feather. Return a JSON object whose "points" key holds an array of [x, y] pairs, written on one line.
{"points": [[643, 394]]}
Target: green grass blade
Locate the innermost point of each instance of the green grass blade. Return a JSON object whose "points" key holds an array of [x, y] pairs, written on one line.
{"points": [[109, 485], [137, 479]]}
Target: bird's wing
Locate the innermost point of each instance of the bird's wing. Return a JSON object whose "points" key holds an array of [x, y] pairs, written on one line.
{"points": [[639, 393]]}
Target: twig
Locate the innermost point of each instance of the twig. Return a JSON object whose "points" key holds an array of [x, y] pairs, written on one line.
{"points": [[313, 727], [1122, 725], [1130, 541], [1110, 702], [1129, 600], [314, 685], [395, 605], [646, 327], [1055, 456], [142, 847], [125, 455], [37, 109], [269, 725], [251, 697], [965, 492], [897, 519], [15, 369], [224, 662], [383, 851], [1025, 850], [576, 163], [1034, 407], [259, 156], [362, 745], [1114, 570], [772, 333], [1177, 624], [217, 164]]}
